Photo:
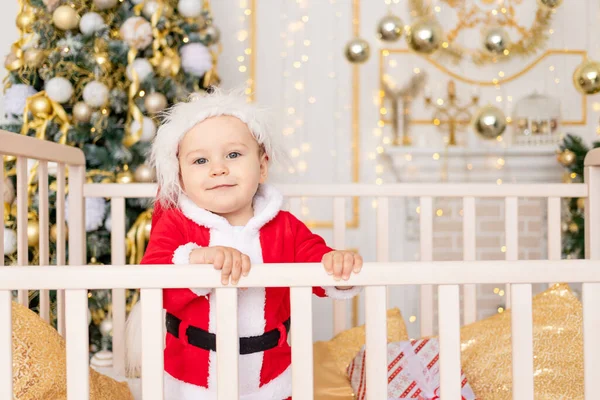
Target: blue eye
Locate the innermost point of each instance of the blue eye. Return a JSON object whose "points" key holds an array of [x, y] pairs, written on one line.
{"points": [[201, 161], [233, 154]]}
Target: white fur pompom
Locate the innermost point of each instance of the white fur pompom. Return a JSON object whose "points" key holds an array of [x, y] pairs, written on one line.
{"points": [[108, 223], [95, 94], [190, 8], [90, 23], [15, 97], [10, 241], [148, 129], [142, 67], [196, 59], [95, 211], [59, 89], [137, 32]]}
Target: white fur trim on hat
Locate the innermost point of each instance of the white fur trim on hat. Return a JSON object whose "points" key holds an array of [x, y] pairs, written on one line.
{"points": [[182, 117]]}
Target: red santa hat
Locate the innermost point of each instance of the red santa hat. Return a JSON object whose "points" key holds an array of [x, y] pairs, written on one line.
{"points": [[183, 116]]}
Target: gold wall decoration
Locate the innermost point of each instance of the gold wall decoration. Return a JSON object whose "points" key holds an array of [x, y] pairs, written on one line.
{"points": [[472, 15], [383, 53]]}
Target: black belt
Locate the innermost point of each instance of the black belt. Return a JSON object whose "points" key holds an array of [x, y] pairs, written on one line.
{"points": [[208, 341]]}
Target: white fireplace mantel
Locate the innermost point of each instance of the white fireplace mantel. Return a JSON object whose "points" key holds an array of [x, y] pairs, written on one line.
{"points": [[485, 165]]}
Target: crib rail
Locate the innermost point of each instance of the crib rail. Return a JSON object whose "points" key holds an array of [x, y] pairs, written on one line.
{"points": [[300, 278]]}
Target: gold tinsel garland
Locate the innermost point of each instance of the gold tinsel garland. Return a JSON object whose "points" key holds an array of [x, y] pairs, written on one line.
{"points": [[532, 38]]}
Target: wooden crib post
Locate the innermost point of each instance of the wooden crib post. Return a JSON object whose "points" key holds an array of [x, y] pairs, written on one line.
{"points": [[591, 291], [5, 318]]}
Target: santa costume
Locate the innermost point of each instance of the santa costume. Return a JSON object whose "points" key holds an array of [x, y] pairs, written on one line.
{"points": [[271, 236]]}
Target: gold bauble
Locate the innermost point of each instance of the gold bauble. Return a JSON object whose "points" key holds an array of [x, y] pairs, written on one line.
{"points": [[125, 176], [25, 20], [550, 3], [489, 122], [147, 229], [54, 232], [573, 227], [144, 174], [390, 28], [168, 66], [65, 18], [33, 232], [34, 57], [564, 227], [586, 77], [581, 203], [425, 36], [357, 51], [155, 102], [41, 106], [10, 59], [82, 112], [496, 40], [9, 192], [566, 157]]}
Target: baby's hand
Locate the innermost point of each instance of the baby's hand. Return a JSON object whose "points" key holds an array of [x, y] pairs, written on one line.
{"points": [[230, 261], [341, 263]]}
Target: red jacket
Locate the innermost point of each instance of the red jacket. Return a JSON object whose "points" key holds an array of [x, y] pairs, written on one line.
{"points": [[271, 236]]}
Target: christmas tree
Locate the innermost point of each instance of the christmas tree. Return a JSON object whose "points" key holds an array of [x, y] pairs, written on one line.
{"points": [[96, 74]]}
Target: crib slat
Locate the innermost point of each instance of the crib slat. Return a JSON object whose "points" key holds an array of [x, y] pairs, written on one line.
{"points": [[449, 333], [383, 236], [554, 231], [522, 341], [227, 344], [117, 237], [44, 233], [511, 236], [302, 345], [152, 344], [2, 212], [60, 244], [22, 246], [376, 342], [6, 376], [426, 225], [340, 307], [469, 245], [77, 344], [591, 345]]}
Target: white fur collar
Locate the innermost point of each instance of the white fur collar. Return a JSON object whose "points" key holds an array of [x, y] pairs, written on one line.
{"points": [[267, 204]]}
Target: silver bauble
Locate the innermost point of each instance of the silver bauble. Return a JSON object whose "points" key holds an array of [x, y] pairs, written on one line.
{"points": [[390, 28], [106, 327], [65, 18], [489, 122], [496, 40], [105, 4], [357, 50], [82, 112], [155, 102], [425, 36], [144, 174], [586, 77]]}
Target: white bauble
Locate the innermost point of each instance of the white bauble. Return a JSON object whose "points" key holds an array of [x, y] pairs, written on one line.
{"points": [[95, 211], [143, 68], [95, 94], [59, 89], [105, 4], [137, 32], [90, 23], [10, 241], [102, 359], [190, 8], [108, 223], [150, 8], [9, 191], [148, 129], [106, 327], [15, 98], [196, 59]]}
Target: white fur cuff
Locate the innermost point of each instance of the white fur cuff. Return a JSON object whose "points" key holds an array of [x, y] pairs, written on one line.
{"points": [[341, 294], [181, 256]]}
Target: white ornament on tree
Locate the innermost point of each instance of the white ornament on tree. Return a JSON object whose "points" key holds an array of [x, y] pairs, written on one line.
{"points": [[91, 23], [190, 8], [148, 129], [108, 223], [142, 67], [15, 98], [150, 8], [137, 32], [95, 211], [9, 191], [95, 94], [59, 89], [196, 59], [102, 359], [10, 241], [105, 4]]}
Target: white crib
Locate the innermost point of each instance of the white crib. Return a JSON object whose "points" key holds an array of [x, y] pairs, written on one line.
{"points": [[74, 280]]}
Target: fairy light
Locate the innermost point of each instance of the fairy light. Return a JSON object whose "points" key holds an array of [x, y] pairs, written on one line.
{"points": [[412, 318], [500, 310], [436, 156], [439, 212], [469, 167], [374, 204], [295, 153], [418, 210], [408, 157], [503, 249], [499, 181]]}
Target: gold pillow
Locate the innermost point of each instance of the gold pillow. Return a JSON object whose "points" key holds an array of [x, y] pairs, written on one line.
{"points": [[557, 346], [39, 363], [331, 358]]}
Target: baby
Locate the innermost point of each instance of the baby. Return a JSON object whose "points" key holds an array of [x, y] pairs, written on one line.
{"points": [[212, 157]]}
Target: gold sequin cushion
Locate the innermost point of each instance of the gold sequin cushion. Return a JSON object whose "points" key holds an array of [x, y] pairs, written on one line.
{"points": [[39, 363], [332, 357], [557, 347]]}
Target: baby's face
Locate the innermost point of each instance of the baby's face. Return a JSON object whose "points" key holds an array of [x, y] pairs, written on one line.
{"points": [[221, 165]]}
